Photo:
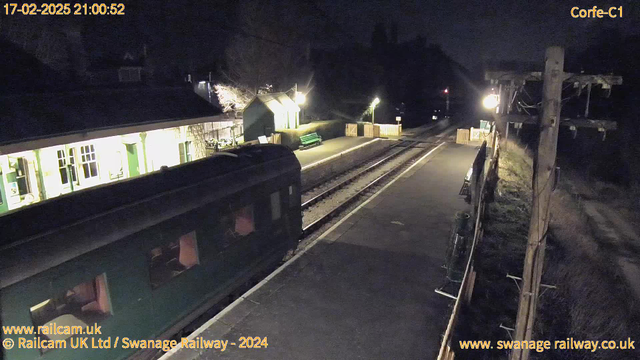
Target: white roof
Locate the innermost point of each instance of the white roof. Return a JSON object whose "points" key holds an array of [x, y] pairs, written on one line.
{"points": [[278, 102]]}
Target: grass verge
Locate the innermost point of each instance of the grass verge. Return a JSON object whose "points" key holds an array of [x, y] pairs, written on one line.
{"points": [[592, 301]]}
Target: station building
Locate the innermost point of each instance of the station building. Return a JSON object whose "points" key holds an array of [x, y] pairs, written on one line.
{"points": [[56, 143], [268, 113]]}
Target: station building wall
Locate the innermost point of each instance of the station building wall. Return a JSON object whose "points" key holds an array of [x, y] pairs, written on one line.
{"points": [[28, 177]]}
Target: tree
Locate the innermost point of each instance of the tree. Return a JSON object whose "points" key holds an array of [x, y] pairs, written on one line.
{"points": [[232, 98], [267, 46]]}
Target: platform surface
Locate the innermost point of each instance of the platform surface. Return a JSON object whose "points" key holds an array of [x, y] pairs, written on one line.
{"points": [[329, 148], [365, 290]]}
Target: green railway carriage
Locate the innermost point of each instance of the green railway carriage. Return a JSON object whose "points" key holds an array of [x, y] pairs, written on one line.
{"points": [[144, 257]]}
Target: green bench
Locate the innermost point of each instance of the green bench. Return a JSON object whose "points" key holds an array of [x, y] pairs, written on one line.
{"points": [[309, 140]]}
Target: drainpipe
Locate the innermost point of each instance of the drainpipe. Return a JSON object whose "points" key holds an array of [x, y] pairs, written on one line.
{"points": [[143, 140], [43, 192], [70, 167]]}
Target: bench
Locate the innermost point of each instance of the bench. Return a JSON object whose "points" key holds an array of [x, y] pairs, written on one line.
{"points": [[309, 140]]}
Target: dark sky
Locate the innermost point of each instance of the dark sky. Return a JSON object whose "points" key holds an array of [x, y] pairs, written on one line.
{"points": [[471, 31]]}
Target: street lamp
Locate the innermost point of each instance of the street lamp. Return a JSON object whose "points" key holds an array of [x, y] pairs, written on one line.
{"points": [[375, 102], [491, 101], [446, 92], [300, 99]]}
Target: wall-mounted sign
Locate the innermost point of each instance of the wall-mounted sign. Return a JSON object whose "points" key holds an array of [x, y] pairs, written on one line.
{"points": [[13, 189]]}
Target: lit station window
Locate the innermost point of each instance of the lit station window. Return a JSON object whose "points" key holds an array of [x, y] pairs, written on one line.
{"points": [[89, 162]]}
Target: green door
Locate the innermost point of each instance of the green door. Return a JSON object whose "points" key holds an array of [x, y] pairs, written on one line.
{"points": [[132, 159], [3, 196]]}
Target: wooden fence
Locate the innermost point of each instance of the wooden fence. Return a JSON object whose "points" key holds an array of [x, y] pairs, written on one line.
{"points": [[390, 129], [483, 181], [351, 130], [462, 136], [378, 130], [371, 131]]}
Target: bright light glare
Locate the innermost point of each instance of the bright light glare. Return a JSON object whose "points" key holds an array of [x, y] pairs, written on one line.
{"points": [[491, 101], [300, 98], [375, 102]]}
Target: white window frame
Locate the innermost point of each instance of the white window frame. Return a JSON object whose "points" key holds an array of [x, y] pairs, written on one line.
{"points": [[62, 167], [88, 155], [68, 164]]}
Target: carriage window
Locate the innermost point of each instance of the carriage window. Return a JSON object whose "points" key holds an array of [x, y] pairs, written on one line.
{"points": [[171, 260], [244, 221], [83, 305], [275, 206], [237, 224]]}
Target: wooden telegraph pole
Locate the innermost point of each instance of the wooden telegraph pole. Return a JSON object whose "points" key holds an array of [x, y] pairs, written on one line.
{"points": [[543, 180]]}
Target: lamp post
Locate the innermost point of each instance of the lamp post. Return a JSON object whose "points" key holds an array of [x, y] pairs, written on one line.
{"points": [[375, 102], [300, 99], [446, 92]]}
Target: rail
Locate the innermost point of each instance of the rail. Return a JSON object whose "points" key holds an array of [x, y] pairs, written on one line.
{"points": [[333, 189], [307, 230], [482, 183]]}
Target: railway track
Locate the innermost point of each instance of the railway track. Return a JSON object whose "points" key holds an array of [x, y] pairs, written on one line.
{"points": [[406, 145], [362, 193], [404, 158], [317, 193]]}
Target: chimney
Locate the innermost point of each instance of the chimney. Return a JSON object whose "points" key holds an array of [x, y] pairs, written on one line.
{"points": [[76, 53]]}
